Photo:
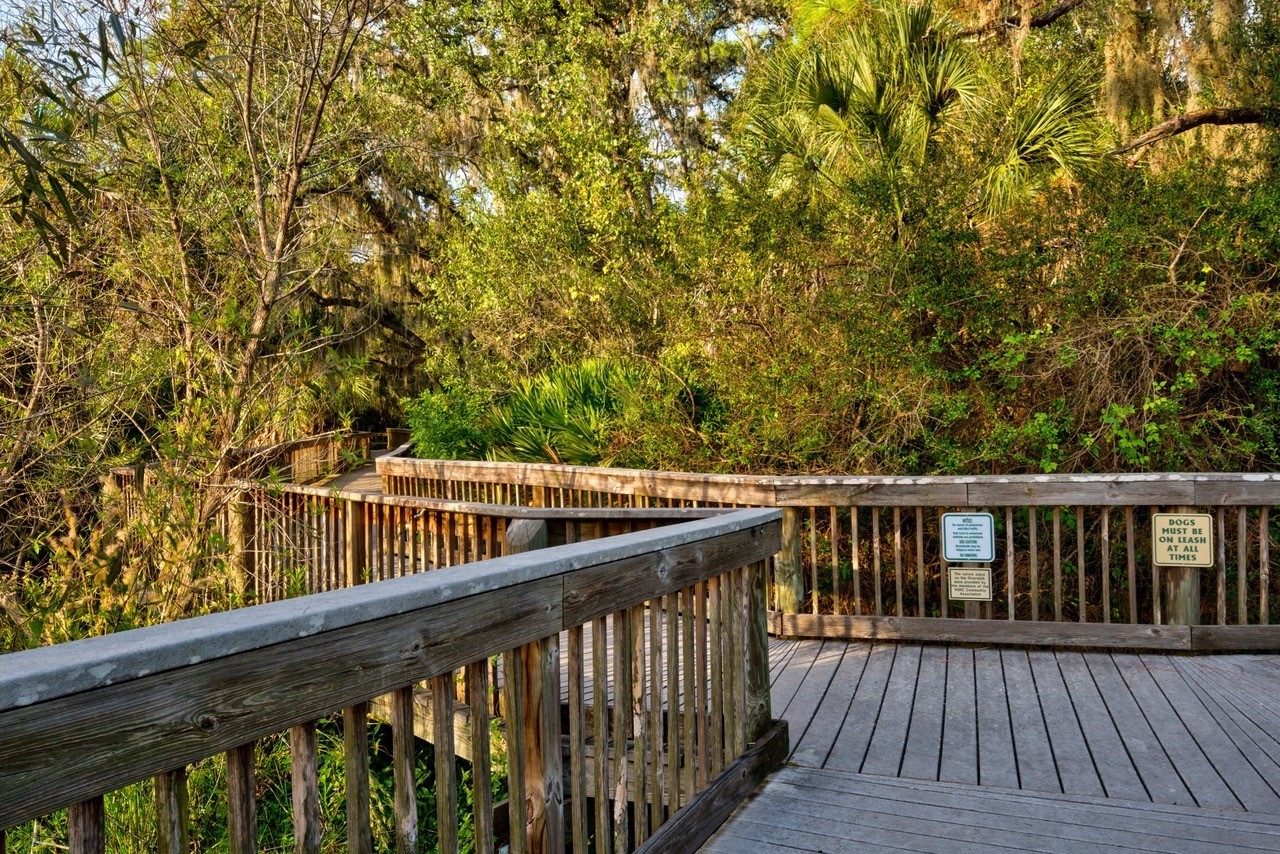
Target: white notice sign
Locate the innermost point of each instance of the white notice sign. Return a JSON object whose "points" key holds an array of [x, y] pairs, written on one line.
{"points": [[969, 585], [1182, 539], [968, 537]]}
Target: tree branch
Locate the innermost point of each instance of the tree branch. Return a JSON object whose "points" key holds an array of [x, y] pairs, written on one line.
{"points": [[1044, 19], [1191, 121]]}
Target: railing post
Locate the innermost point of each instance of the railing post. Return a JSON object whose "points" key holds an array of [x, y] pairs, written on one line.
{"points": [[87, 827], [759, 712], [242, 539], [1182, 590], [242, 809], [540, 725], [788, 576]]}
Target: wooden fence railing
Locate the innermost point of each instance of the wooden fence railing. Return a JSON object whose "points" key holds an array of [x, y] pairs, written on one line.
{"points": [[861, 556], [664, 687]]}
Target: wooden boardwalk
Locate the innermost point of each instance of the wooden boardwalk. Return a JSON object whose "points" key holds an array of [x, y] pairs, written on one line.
{"points": [[931, 748]]}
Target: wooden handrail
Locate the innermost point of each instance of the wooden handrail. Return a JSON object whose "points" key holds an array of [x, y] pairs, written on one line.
{"points": [[81, 719]]}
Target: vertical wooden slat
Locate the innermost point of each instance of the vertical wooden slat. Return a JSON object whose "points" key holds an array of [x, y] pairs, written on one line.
{"points": [[732, 656], [481, 765], [670, 606], [307, 830], [1132, 563], [1106, 564], [716, 661], [403, 760], [1034, 541], [242, 807], [1083, 603], [639, 723], [172, 811], [577, 742], [875, 557], [921, 610], [550, 833], [688, 717], [1010, 586], [835, 561], [446, 765], [1242, 566], [355, 746], [759, 705], [1057, 563], [813, 557], [1264, 566], [702, 762], [657, 779], [1222, 567], [622, 731], [1157, 606], [897, 557], [87, 827], [855, 556], [513, 710], [600, 732]]}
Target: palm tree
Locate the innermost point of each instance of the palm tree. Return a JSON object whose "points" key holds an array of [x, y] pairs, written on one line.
{"points": [[877, 100]]}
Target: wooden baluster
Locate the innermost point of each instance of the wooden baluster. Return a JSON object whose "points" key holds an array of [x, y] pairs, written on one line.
{"points": [[715, 631], [897, 557], [307, 830], [670, 606], [242, 808], [600, 731], [1132, 564], [403, 760], [355, 749], [1264, 567], [921, 610], [656, 777], [1242, 566], [1157, 603], [789, 569], [1033, 517], [172, 813], [731, 657], [835, 561], [855, 555], [87, 827], [446, 763], [1057, 564], [701, 685], [481, 765], [577, 742], [813, 557], [689, 712], [1010, 585], [513, 709], [875, 556], [1082, 605], [1222, 567], [622, 642], [1106, 564], [639, 724]]}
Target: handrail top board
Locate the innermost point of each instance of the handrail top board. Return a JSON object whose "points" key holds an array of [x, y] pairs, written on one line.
{"points": [[1117, 488], [46, 673]]}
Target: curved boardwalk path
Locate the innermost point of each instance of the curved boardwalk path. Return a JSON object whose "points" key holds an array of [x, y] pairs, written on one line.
{"points": [[942, 749]]}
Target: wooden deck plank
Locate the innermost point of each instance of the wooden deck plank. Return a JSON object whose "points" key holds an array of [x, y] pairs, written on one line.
{"points": [[785, 686], [960, 721], [816, 744], [997, 763], [1115, 769], [850, 747], [1147, 753], [818, 810], [1231, 763], [1076, 771], [801, 712], [1036, 767], [1254, 720], [923, 751], [884, 753], [1204, 782]]}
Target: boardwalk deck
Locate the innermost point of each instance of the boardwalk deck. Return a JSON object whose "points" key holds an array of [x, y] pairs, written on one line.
{"points": [[910, 748]]}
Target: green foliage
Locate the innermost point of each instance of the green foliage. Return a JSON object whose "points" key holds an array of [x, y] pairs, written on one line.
{"points": [[446, 425]]}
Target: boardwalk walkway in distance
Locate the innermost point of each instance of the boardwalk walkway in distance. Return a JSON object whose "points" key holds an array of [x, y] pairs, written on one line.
{"points": [[930, 748]]}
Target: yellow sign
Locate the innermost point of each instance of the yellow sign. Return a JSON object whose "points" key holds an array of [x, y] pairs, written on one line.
{"points": [[969, 585], [1182, 539]]}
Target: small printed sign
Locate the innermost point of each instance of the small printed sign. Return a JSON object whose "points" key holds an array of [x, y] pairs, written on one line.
{"points": [[1182, 539], [968, 538], [969, 585]]}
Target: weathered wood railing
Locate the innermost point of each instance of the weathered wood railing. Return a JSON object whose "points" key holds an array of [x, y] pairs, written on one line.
{"points": [[668, 714], [861, 555]]}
